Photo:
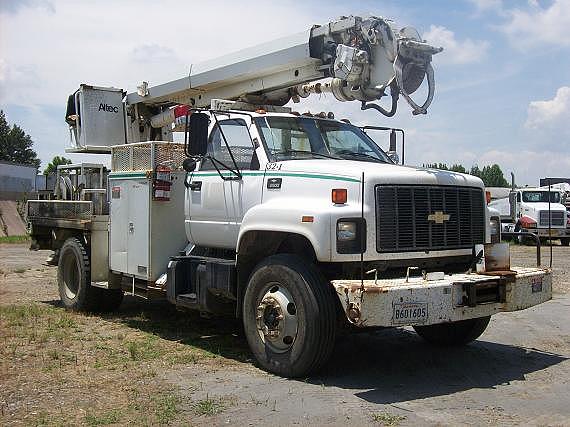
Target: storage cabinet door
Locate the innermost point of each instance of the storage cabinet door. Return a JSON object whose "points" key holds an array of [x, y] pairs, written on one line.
{"points": [[138, 229], [119, 225]]}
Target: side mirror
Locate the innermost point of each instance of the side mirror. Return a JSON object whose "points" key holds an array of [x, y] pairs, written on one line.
{"points": [[198, 134], [394, 157], [189, 165], [393, 141]]}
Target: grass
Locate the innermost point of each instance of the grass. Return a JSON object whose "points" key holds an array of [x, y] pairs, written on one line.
{"points": [[387, 419], [209, 406], [14, 239], [104, 369], [166, 407], [112, 416]]}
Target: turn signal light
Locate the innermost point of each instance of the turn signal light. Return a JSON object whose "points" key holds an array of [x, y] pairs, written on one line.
{"points": [[339, 196], [488, 196]]}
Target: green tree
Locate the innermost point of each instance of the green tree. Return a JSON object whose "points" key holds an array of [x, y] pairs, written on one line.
{"points": [[493, 176], [55, 162], [458, 168], [475, 171], [16, 145]]}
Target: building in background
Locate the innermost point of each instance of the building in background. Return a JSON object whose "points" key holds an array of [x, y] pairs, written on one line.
{"points": [[17, 181], [545, 181]]}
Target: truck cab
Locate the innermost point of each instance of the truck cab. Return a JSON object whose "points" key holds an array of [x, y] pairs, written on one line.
{"points": [[286, 176], [529, 209]]}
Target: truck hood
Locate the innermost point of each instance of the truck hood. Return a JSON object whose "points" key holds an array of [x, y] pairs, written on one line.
{"points": [[380, 173], [540, 206]]}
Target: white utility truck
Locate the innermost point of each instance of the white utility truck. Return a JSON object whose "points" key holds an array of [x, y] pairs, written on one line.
{"points": [[536, 210], [298, 224]]}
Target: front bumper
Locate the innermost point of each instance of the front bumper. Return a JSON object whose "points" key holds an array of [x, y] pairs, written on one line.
{"points": [[554, 232], [418, 301]]}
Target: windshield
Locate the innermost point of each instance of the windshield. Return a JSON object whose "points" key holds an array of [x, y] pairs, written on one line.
{"points": [[540, 196], [288, 138]]}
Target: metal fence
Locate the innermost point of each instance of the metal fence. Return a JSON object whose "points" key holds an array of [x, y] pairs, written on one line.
{"points": [[59, 209], [147, 156]]}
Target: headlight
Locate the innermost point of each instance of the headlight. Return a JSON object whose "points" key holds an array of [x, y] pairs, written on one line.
{"points": [[495, 228], [350, 235], [345, 231]]}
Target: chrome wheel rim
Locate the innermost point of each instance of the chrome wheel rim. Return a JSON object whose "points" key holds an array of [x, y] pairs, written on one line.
{"points": [[276, 318]]}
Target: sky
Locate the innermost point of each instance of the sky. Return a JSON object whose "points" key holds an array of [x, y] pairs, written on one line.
{"points": [[502, 81]]}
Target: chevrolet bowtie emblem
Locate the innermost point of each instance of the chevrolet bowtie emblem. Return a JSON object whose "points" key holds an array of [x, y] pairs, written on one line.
{"points": [[438, 217]]}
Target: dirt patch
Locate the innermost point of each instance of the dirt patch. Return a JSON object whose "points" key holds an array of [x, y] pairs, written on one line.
{"points": [[11, 223], [525, 256]]}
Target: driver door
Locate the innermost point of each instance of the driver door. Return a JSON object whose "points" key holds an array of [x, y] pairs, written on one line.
{"points": [[215, 204]]}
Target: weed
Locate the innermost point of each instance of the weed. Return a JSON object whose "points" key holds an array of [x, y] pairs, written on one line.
{"points": [[21, 315], [103, 418], [20, 270], [209, 407], [14, 239], [387, 419], [53, 354], [166, 407], [145, 349]]}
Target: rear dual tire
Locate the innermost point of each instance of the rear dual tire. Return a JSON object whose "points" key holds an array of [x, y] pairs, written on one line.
{"points": [[74, 281]]}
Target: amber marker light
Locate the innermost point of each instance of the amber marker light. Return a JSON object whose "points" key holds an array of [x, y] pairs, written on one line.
{"points": [[339, 196], [307, 218]]}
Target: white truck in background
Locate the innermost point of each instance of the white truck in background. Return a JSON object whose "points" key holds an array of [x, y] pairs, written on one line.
{"points": [[536, 210], [296, 223]]}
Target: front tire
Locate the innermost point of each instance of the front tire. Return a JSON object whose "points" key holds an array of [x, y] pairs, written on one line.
{"points": [[454, 333], [289, 316]]}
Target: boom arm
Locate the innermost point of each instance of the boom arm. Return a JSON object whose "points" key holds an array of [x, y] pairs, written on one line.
{"points": [[361, 57]]}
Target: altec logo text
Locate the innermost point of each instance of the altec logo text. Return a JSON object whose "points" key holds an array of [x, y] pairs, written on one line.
{"points": [[108, 108]]}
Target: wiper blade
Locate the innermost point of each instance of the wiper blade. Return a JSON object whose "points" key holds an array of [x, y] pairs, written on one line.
{"points": [[310, 153], [360, 155]]}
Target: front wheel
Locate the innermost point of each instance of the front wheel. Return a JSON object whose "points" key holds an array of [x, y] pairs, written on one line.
{"points": [[454, 333], [289, 316]]}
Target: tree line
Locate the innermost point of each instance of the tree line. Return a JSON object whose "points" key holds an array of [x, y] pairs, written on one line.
{"points": [[492, 176], [16, 146]]}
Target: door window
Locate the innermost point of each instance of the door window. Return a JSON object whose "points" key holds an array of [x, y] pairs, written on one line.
{"points": [[239, 141]]}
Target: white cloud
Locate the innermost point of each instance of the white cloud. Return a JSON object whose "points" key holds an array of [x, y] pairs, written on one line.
{"points": [[89, 42], [14, 6], [455, 51], [487, 5], [536, 26], [528, 165], [551, 114]]}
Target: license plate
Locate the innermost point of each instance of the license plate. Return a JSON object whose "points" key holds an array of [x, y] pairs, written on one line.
{"points": [[410, 313]]}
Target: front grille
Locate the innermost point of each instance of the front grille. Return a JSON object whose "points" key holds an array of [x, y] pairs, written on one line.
{"points": [[457, 217], [557, 218]]}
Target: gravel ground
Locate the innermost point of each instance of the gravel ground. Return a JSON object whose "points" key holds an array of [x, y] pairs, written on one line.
{"points": [[517, 373]]}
